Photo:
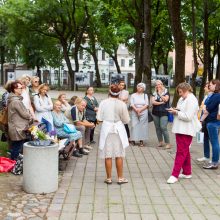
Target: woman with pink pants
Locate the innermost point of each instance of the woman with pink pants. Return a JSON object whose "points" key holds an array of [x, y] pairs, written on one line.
{"points": [[185, 126]]}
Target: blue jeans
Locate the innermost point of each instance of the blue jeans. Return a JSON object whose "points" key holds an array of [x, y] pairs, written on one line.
{"points": [[213, 128], [16, 148], [206, 146], [161, 128]]}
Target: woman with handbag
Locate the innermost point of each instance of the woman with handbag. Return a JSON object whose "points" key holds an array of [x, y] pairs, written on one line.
{"points": [[91, 110], [60, 120], [139, 115], [185, 127], [160, 101], [113, 137], [19, 120]]}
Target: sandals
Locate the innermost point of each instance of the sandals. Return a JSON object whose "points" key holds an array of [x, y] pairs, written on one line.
{"points": [[122, 181], [132, 143], [108, 181], [141, 144]]}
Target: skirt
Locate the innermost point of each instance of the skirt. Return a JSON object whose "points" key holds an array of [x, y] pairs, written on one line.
{"points": [[113, 147]]}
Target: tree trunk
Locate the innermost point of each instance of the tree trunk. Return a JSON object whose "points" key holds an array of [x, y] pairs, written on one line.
{"points": [[218, 65], [2, 60], [39, 74], [71, 73], [179, 40], [138, 58], [98, 80], [115, 58], [193, 81], [210, 72], [206, 50], [147, 47]]}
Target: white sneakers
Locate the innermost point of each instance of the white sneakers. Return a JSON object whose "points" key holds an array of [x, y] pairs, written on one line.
{"points": [[183, 176], [203, 159], [88, 147], [172, 180]]}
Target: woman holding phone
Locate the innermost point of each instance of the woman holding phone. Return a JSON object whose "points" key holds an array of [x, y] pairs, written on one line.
{"points": [[160, 101], [185, 126]]}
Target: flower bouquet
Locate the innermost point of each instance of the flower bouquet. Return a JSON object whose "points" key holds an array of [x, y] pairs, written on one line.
{"points": [[40, 137]]}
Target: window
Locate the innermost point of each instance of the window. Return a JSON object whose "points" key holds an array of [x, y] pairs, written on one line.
{"points": [[103, 76], [81, 54], [122, 62], [111, 62], [103, 55], [55, 74], [131, 62]]}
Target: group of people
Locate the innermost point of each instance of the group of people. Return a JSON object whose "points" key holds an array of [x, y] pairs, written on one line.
{"points": [[28, 101], [186, 125]]}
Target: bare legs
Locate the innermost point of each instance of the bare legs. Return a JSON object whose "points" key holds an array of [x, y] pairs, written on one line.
{"points": [[119, 167], [108, 167]]}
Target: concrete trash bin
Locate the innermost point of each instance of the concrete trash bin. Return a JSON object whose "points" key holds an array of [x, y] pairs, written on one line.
{"points": [[40, 168]]}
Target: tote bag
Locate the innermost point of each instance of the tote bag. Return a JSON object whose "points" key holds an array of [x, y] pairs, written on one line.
{"points": [[69, 128], [4, 117]]}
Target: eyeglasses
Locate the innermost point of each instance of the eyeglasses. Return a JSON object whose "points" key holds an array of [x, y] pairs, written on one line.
{"points": [[36, 81]]}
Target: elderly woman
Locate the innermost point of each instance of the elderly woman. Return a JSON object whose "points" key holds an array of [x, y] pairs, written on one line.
{"points": [[160, 101], [91, 110], [212, 123], [139, 115], [64, 104], [19, 119], [59, 119], [43, 105], [185, 126], [113, 138]]}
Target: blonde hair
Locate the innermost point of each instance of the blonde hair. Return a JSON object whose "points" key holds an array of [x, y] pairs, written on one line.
{"points": [[42, 86], [34, 78], [60, 95], [184, 86], [79, 101]]}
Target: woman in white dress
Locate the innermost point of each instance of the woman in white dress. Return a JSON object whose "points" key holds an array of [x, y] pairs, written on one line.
{"points": [[113, 137], [139, 115], [43, 105]]}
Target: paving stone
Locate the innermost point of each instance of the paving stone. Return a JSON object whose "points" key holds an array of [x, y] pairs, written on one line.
{"points": [[83, 216], [100, 216], [149, 217], [118, 216]]}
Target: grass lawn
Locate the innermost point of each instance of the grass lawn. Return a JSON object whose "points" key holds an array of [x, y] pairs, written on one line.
{"points": [[3, 147]]}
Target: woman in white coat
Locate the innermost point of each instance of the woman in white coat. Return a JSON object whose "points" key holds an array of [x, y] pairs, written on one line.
{"points": [[113, 137], [44, 106], [185, 126]]}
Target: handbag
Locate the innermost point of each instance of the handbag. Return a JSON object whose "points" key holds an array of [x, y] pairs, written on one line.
{"points": [[170, 117], [200, 137], [150, 117], [69, 128], [4, 117]]}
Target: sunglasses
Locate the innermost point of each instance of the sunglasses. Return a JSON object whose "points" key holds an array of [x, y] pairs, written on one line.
{"points": [[36, 81]]}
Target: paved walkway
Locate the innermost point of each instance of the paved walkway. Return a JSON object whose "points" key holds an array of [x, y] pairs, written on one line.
{"points": [[82, 195]]}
